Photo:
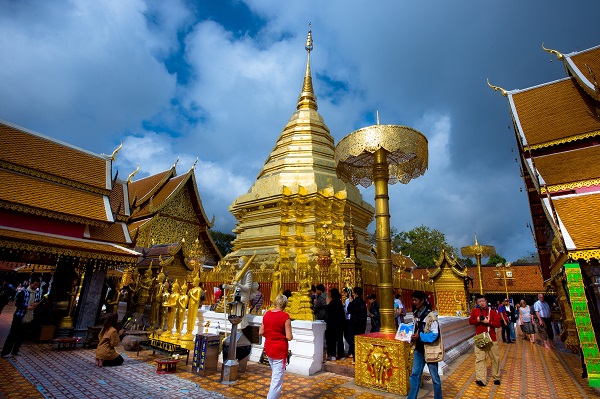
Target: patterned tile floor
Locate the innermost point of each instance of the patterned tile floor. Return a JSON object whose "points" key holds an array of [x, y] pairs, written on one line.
{"points": [[528, 371]]}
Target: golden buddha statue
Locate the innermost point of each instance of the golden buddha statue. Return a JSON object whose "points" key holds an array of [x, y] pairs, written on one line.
{"points": [[193, 304], [163, 308], [143, 290], [156, 299], [275, 281], [182, 302], [171, 311], [299, 303]]}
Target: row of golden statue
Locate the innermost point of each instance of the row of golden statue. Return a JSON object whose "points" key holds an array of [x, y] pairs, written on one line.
{"points": [[172, 304]]}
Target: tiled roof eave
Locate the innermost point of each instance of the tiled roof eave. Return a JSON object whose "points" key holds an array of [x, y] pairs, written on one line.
{"points": [[25, 240], [563, 140], [51, 214], [53, 178]]}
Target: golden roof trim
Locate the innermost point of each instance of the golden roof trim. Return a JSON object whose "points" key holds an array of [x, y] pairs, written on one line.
{"points": [[49, 214], [570, 186], [562, 141], [497, 88], [558, 55], [55, 179], [587, 254], [133, 174], [115, 152]]}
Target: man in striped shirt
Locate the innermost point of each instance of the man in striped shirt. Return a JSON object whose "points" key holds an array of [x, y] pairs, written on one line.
{"points": [[25, 302], [542, 310]]}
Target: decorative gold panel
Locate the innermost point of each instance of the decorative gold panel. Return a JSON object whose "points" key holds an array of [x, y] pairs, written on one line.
{"points": [[382, 363]]}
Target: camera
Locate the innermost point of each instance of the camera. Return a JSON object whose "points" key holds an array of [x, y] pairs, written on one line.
{"points": [[481, 318]]}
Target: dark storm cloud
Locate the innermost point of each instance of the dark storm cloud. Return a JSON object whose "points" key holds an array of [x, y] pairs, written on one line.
{"points": [[219, 82]]}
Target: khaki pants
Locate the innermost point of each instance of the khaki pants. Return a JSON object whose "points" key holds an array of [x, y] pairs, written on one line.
{"points": [[481, 364]]}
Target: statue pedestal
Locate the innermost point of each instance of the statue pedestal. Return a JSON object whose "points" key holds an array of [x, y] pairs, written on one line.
{"points": [[382, 363], [306, 347]]}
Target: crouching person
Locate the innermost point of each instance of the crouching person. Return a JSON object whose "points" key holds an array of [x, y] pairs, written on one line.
{"points": [[427, 345]]}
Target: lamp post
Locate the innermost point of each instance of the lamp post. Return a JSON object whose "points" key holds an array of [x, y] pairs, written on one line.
{"points": [[504, 272], [235, 313]]}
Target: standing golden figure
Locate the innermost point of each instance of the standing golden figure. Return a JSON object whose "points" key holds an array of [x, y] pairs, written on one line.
{"points": [[156, 299], [276, 281], [171, 306], [182, 302], [193, 304]]}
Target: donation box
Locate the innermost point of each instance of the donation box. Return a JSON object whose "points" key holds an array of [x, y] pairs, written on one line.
{"points": [[206, 354]]}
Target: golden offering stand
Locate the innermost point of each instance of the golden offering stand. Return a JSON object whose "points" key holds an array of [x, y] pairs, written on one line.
{"points": [[478, 251], [382, 155]]}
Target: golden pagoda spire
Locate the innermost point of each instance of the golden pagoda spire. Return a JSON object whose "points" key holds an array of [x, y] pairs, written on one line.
{"points": [[307, 98]]}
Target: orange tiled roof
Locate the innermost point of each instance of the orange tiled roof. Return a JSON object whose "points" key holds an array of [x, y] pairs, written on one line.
{"points": [[136, 225], [29, 192], [584, 59], [580, 215], [117, 199], [570, 166], [527, 279], [112, 233], [42, 242], [406, 261], [143, 188], [554, 111], [160, 196], [36, 152]]}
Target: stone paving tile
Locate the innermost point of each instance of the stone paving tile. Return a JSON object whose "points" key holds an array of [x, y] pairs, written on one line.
{"points": [[528, 371]]}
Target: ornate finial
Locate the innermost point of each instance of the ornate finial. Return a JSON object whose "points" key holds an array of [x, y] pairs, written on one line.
{"points": [[176, 162], [556, 53], [309, 42], [133, 174], [476, 243], [195, 162], [307, 98], [496, 88], [114, 154], [377, 115], [211, 224]]}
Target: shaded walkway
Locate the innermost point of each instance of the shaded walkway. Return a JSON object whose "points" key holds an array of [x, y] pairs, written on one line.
{"points": [[528, 371]]}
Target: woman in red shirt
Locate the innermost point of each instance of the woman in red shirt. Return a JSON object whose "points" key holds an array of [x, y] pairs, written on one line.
{"points": [[277, 330]]}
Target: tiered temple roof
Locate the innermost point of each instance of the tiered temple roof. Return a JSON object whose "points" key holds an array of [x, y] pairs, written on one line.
{"points": [[166, 208], [58, 200], [557, 126]]}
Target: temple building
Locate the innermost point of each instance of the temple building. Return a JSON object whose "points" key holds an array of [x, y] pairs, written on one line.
{"points": [[298, 205], [557, 127], [62, 212], [168, 224]]}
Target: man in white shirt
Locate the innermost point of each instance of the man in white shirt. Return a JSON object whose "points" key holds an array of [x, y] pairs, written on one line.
{"points": [[542, 310], [399, 310]]}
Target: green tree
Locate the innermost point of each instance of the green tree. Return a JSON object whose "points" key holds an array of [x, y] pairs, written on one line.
{"points": [[223, 241], [531, 257], [422, 243], [494, 260]]}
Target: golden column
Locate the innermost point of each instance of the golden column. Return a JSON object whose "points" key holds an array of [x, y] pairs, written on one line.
{"points": [[504, 272], [382, 155], [478, 251]]}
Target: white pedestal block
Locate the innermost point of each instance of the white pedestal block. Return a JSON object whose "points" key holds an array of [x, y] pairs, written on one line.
{"points": [[306, 347]]}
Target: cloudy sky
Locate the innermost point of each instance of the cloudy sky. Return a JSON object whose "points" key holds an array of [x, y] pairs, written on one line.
{"points": [[217, 80]]}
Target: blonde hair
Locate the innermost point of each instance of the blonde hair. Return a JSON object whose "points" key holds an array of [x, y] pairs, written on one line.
{"points": [[523, 303], [281, 301]]}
